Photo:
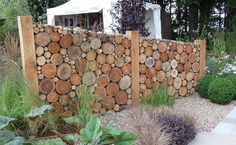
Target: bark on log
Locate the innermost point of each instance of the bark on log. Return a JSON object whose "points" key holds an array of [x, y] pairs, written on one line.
{"points": [[177, 83], [95, 43], [63, 87], [54, 47], [104, 80], [183, 91], [119, 50], [118, 39], [108, 48], [142, 69], [150, 62], [162, 47], [85, 47], [126, 43], [106, 68], [52, 97], [121, 98], [108, 103], [89, 78], [158, 65], [148, 51], [66, 41], [112, 89], [75, 79], [100, 93], [56, 59], [126, 69], [110, 59], [91, 55], [74, 52], [101, 58], [41, 60], [47, 86], [149, 83], [49, 70], [81, 66], [150, 72], [125, 82], [42, 39], [55, 36], [161, 76], [64, 71], [115, 75]]}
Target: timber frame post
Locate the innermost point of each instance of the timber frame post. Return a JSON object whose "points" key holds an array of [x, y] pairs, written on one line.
{"points": [[135, 38], [202, 45], [28, 57]]}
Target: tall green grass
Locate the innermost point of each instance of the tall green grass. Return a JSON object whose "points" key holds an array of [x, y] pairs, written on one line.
{"points": [[158, 97], [17, 100], [218, 45], [230, 42]]}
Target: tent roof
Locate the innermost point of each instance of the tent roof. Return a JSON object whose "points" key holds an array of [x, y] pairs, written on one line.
{"points": [[87, 6]]}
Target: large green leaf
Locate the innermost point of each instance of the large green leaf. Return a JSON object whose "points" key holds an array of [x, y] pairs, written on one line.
{"points": [[125, 138], [9, 138], [90, 135], [16, 141], [39, 111], [72, 120], [108, 135], [4, 121]]}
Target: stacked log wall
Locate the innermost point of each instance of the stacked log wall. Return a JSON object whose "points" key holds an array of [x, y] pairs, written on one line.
{"points": [[119, 69], [173, 64], [69, 58]]}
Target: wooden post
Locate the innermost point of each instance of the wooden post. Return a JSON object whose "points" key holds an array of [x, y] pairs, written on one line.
{"points": [[202, 45], [134, 37], [28, 56]]}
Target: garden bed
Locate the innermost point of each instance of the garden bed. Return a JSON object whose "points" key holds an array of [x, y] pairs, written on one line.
{"points": [[206, 113]]}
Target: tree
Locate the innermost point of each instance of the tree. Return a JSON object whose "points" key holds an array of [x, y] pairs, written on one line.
{"points": [[130, 15], [38, 8]]}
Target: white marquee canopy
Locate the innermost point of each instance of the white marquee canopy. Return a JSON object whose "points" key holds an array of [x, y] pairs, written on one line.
{"points": [[91, 6]]}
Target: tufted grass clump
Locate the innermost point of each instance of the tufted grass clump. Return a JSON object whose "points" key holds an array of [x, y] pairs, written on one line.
{"points": [[158, 97]]}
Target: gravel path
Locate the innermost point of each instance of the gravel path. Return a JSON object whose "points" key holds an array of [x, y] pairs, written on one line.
{"points": [[207, 114]]}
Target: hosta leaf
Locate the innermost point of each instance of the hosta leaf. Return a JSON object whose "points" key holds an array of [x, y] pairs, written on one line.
{"points": [[108, 135], [39, 111], [91, 133], [72, 120], [125, 138], [4, 121], [6, 136], [16, 141]]}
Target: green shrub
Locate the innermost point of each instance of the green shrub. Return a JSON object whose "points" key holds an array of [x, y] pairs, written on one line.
{"points": [[203, 85], [232, 78], [221, 91], [158, 97]]}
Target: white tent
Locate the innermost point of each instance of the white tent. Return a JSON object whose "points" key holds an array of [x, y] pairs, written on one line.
{"points": [[92, 6]]}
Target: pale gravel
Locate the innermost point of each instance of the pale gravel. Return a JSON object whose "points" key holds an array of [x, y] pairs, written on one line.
{"points": [[207, 114]]}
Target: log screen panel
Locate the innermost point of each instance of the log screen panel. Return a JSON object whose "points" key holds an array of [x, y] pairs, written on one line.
{"points": [[68, 58], [170, 63]]}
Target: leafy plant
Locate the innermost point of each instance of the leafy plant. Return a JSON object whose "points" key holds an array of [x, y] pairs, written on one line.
{"points": [[203, 85], [94, 134], [232, 78], [4, 121], [218, 45], [17, 99], [9, 138], [221, 91], [181, 132], [230, 42], [158, 98], [130, 15]]}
